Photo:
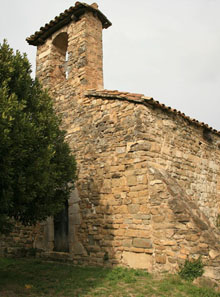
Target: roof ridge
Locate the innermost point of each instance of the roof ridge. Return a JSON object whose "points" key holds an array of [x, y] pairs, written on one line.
{"points": [[72, 13], [142, 99]]}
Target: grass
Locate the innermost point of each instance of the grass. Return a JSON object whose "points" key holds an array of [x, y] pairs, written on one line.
{"points": [[35, 278]]}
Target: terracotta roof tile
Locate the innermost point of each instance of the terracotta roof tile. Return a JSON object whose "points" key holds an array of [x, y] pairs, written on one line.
{"points": [[141, 99], [74, 12]]}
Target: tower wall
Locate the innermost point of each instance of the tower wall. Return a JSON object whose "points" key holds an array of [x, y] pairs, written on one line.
{"points": [[84, 51]]}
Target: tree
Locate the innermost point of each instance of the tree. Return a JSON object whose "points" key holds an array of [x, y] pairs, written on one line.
{"points": [[37, 170]]}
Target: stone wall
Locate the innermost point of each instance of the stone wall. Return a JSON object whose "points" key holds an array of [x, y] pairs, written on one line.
{"points": [[21, 241], [136, 164], [147, 188]]}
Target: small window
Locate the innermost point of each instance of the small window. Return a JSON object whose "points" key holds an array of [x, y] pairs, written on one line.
{"points": [[66, 66]]}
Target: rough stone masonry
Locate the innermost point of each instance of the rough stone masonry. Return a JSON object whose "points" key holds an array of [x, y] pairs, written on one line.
{"points": [[148, 189]]}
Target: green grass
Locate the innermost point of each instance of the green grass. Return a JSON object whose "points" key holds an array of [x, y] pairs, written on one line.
{"points": [[35, 278]]}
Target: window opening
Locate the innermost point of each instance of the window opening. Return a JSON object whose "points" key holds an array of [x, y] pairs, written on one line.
{"points": [[66, 67], [60, 56]]}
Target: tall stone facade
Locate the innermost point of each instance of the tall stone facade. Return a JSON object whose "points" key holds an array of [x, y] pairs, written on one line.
{"points": [[148, 189]]}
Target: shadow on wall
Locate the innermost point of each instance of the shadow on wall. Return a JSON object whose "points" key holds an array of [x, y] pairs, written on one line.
{"points": [[95, 231]]}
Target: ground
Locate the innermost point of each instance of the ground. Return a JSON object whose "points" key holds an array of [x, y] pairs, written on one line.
{"points": [[35, 278]]}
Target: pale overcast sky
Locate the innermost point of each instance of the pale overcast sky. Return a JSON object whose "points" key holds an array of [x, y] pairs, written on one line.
{"points": [[167, 49]]}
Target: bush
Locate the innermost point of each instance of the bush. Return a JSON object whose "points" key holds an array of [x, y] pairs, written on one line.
{"points": [[192, 269]]}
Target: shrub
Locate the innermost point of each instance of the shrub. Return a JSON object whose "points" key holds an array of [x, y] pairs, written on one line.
{"points": [[192, 269]]}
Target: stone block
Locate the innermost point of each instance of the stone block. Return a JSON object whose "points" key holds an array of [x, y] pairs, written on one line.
{"points": [[144, 233], [156, 182], [142, 179], [172, 260], [160, 258], [78, 249], [155, 148], [169, 242], [116, 183], [74, 209], [74, 197], [127, 242], [75, 219], [154, 210], [205, 282], [145, 209], [132, 233], [131, 180], [137, 260], [192, 237], [133, 208], [214, 254], [120, 150], [158, 219], [141, 216], [142, 243], [212, 272], [144, 146], [122, 209]]}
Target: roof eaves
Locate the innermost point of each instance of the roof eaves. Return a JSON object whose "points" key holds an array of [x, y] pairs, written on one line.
{"points": [[71, 14], [140, 99]]}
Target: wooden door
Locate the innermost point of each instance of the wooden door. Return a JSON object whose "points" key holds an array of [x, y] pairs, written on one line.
{"points": [[61, 228]]}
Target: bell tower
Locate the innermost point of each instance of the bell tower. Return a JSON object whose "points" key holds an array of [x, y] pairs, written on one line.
{"points": [[69, 50], [69, 62]]}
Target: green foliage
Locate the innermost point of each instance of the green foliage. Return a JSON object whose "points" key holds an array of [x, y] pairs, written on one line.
{"points": [[36, 167], [192, 269]]}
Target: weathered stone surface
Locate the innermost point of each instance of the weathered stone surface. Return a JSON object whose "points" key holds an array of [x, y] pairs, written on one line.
{"points": [[205, 282], [158, 219], [127, 243], [133, 208], [160, 258], [78, 249], [212, 273], [74, 197], [137, 260], [214, 254], [142, 243]]}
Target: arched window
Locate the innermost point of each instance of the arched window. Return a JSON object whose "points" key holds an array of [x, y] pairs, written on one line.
{"points": [[60, 56]]}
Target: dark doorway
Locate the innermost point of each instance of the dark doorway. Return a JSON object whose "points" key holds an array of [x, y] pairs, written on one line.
{"points": [[61, 228]]}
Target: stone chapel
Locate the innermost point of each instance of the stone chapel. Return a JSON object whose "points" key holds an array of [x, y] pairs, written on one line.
{"points": [[148, 188]]}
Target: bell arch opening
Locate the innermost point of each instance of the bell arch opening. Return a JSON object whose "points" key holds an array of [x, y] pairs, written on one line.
{"points": [[60, 56]]}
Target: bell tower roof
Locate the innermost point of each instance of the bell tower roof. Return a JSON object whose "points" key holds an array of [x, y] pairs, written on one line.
{"points": [[71, 14]]}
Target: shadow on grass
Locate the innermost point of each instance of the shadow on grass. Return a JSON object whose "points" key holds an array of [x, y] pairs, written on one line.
{"points": [[35, 278], [25, 277]]}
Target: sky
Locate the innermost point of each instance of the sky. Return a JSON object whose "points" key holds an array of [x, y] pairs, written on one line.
{"points": [[166, 49]]}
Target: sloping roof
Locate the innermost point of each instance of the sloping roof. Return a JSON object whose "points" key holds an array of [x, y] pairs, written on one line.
{"points": [[73, 13], [141, 99]]}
